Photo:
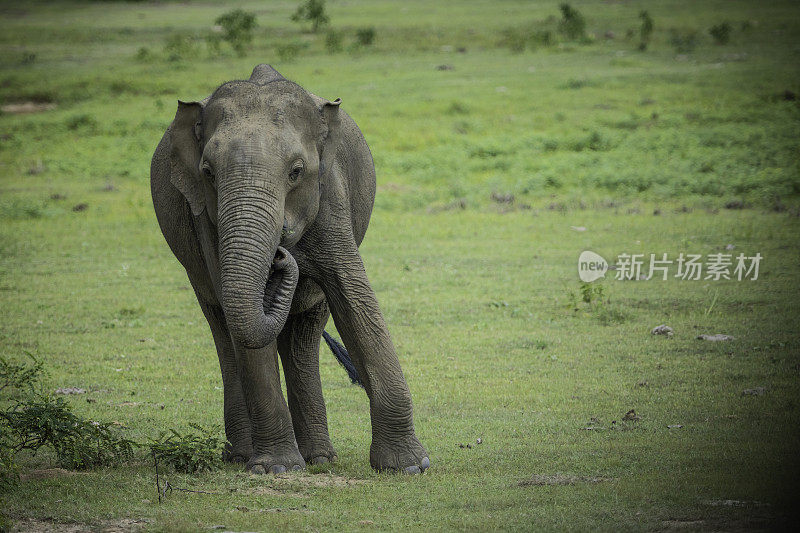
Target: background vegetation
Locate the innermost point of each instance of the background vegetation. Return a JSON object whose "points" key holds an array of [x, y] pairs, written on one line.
{"points": [[508, 137]]}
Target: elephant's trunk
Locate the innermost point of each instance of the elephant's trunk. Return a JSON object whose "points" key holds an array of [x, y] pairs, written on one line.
{"points": [[258, 277]]}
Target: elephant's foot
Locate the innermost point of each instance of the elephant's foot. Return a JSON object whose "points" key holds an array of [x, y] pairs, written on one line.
{"points": [[236, 454], [318, 453], [400, 454], [276, 462]]}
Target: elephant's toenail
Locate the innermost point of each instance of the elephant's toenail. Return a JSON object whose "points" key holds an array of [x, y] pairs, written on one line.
{"points": [[426, 463], [258, 469], [297, 468], [414, 469], [277, 469], [319, 460]]}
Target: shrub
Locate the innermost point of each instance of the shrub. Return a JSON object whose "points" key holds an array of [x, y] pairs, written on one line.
{"points": [[189, 452], [77, 442], [365, 36], [214, 44], [721, 33], [82, 121], [314, 12], [237, 27], [684, 41], [544, 37], [289, 50], [645, 30], [514, 39], [572, 24], [144, 54], [179, 47], [333, 41]]}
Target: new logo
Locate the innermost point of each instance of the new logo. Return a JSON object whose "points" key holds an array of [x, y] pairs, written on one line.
{"points": [[591, 266]]}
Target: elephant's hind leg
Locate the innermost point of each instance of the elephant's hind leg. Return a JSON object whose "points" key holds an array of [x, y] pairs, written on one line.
{"points": [[298, 346], [237, 421]]}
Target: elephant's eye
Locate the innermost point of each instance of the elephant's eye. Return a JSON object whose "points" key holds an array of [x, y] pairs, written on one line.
{"points": [[297, 171]]}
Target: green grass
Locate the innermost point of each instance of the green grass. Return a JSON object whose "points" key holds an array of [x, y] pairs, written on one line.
{"points": [[479, 295]]}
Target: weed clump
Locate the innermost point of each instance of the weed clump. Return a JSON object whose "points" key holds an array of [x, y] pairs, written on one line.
{"points": [[179, 47], [288, 51], [683, 41], [144, 54], [82, 121], [365, 36], [333, 41], [190, 452], [592, 300], [721, 33]]}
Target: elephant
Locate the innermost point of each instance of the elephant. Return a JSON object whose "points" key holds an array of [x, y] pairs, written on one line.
{"points": [[263, 192]]}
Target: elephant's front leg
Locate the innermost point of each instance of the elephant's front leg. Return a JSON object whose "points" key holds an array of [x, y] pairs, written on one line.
{"points": [[274, 445], [298, 345], [360, 322], [237, 421]]}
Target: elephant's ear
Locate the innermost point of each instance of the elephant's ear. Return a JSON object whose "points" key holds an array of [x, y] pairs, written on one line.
{"points": [[264, 74], [330, 142], [185, 155]]}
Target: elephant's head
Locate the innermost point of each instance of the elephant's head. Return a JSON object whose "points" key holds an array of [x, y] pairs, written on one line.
{"points": [[253, 156]]}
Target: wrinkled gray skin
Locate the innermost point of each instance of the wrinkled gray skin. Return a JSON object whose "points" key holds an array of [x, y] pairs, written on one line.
{"points": [[263, 192]]}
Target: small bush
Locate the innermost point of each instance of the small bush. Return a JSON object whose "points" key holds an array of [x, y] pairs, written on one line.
{"points": [[288, 51], [684, 41], [457, 108], [237, 27], [543, 37], [77, 442], [572, 24], [82, 121], [365, 36], [144, 54], [514, 39], [189, 452], [645, 30], [214, 44], [721, 33], [179, 47], [312, 11], [333, 41]]}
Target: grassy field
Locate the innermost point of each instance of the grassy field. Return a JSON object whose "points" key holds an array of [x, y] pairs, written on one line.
{"points": [[496, 169]]}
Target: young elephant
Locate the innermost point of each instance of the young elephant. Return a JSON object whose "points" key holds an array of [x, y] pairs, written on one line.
{"points": [[263, 192]]}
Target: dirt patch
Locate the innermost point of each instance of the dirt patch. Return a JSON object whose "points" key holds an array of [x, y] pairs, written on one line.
{"points": [[49, 473], [538, 480], [27, 107], [125, 525]]}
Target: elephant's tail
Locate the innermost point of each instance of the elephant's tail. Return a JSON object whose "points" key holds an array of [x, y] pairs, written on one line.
{"points": [[343, 357]]}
